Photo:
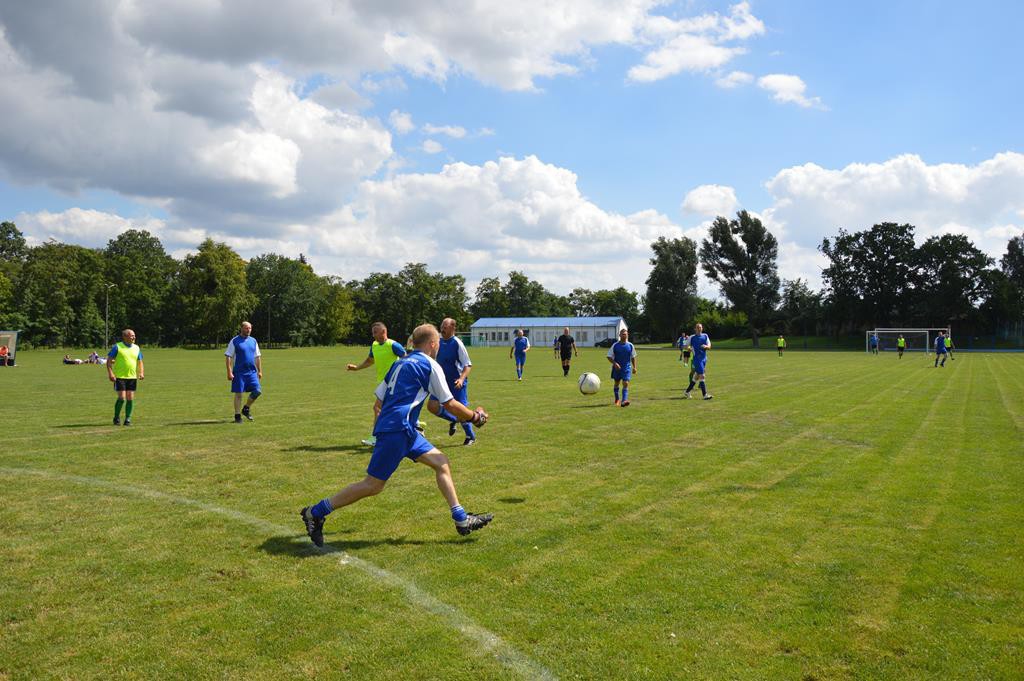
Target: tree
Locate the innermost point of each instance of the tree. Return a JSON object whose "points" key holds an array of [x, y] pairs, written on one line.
{"points": [[338, 315], [519, 297], [211, 293], [290, 299], [1013, 262], [671, 286], [57, 292], [871, 274], [745, 268], [141, 271], [801, 307], [12, 243], [954, 275], [490, 299]]}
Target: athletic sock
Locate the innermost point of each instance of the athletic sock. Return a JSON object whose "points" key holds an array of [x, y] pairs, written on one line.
{"points": [[321, 509], [468, 427], [691, 385], [128, 406], [565, 371], [447, 415], [458, 513], [616, 391], [117, 408], [703, 389], [625, 394]]}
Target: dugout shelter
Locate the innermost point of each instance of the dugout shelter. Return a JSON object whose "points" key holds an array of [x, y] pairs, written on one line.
{"points": [[542, 331], [9, 341]]}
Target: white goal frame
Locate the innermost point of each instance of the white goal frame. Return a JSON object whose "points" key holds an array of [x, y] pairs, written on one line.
{"points": [[928, 333]]}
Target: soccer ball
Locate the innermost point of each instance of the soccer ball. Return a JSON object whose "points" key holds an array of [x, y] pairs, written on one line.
{"points": [[589, 383]]}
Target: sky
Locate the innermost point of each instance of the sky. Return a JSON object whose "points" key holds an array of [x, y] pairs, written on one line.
{"points": [[555, 138]]}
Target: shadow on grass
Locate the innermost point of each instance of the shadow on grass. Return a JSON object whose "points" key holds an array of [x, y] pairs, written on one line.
{"points": [[593, 406], [350, 449], [207, 422], [84, 425], [299, 545], [513, 500]]}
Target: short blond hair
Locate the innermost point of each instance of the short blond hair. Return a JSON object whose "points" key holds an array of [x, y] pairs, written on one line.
{"points": [[424, 333]]}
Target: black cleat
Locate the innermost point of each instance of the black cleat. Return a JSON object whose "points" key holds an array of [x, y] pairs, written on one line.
{"points": [[238, 418], [451, 429], [117, 420], [246, 414], [127, 422], [314, 526], [473, 522], [469, 442]]}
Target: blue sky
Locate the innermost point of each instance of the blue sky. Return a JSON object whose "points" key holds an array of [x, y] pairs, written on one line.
{"points": [[907, 111]]}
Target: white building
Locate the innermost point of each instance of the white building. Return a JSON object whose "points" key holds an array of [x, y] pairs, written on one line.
{"points": [[587, 331]]}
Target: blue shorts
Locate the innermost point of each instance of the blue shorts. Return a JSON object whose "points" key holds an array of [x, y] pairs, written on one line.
{"points": [[460, 394], [698, 365], [245, 383], [391, 448], [520, 359], [940, 352], [623, 374]]}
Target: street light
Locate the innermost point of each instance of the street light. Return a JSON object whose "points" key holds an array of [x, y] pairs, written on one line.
{"points": [[106, 316]]}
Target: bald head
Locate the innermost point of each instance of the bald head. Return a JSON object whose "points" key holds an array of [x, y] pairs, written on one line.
{"points": [[447, 328]]}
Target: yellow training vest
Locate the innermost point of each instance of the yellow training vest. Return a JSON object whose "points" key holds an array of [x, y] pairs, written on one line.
{"points": [[126, 364]]}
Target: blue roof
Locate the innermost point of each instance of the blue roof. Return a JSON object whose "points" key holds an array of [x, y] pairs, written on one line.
{"points": [[546, 321]]}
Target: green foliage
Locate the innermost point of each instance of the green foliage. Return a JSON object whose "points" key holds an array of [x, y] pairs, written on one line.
{"points": [[520, 296], [619, 302], [211, 294], [671, 297], [57, 292], [141, 273], [953, 279], [12, 243], [741, 257]]}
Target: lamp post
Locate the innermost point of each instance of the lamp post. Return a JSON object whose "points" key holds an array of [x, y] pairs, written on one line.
{"points": [[106, 316]]}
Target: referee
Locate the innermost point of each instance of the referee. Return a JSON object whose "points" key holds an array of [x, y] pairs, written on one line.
{"points": [[565, 347]]}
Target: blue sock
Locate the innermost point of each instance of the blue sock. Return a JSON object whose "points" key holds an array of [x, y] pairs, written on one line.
{"points": [[616, 390], [691, 385], [468, 427], [322, 508], [458, 514], [625, 394], [447, 415], [703, 389]]}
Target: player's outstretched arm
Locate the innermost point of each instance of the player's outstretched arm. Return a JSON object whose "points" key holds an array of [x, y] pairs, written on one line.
{"points": [[477, 417], [227, 364], [366, 362], [142, 371]]}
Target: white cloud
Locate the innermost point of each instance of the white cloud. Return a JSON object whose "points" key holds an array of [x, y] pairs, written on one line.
{"points": [[711, 200], [401, 122], [432, 147], [734, 79], [454, 131], [91, 228], [788, 88]]}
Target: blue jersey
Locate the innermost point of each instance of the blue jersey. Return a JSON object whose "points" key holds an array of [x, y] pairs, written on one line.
{"points": [[940, 344], [873, 340], [244, 351], [621, 353], [697, 342], [453, 358], [409, 382], [520, 344]]}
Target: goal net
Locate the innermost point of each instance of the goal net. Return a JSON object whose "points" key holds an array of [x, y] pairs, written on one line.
{"points": [[918, 340]]}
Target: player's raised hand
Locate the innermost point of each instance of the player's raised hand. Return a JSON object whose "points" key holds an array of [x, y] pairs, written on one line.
{"points": [[618, 367], [351, 367], [480, 417]]}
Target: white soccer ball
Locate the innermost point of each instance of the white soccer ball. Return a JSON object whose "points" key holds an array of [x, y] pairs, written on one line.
{"points": [[589, 383]]}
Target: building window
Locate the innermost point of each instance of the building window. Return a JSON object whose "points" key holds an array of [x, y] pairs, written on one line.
{"points": [[583, 336], [506, 336]]}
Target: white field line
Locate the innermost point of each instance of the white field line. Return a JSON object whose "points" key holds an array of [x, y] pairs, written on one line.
{"points": [[488, 640]]}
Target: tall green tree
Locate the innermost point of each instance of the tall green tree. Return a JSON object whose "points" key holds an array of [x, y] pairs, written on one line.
{"points": [[57, 293], [800, 307], [290, 299], [12, 243], [140, 272], [741, 256], [954, 275], [1013, 261], [671, 296], [211, 294], [338, 315], [490, 299]]}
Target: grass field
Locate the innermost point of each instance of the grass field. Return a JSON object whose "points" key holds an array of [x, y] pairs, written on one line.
{"points": [[828, 515]]}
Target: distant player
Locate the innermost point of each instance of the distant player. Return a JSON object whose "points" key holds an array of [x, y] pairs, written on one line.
{"points": [[124, 369], [873, 343], [456, 365], [399, 399], [565, 347], [780, 343], [622, 356], [901, 345], [520, 346], [949, 347], [245, 369], [683, 343], [940, 348], [700, 343], [383, 353]]}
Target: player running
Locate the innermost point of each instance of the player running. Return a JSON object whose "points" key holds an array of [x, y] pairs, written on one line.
{"points": [[124, 369], [245, 369], [700, 343], [399, 399], [901, 345], [949, 347], [456, 365], [565, 347], [781, 344], [940, 348], [520, 346], [683, 343], [622, 356], [383, 353]]}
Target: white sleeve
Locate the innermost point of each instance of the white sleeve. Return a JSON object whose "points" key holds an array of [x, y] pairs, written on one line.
{"points": [[611, 355], [257, 347], [438, 384], [230, 352], [463, 355], [527, 342], [633, 348], [381, 390]]}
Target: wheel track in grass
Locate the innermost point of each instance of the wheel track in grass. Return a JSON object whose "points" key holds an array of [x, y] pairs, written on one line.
{"points": [[508, 656]]}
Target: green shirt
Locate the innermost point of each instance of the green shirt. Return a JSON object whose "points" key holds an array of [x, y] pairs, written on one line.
{"points": [[901, 342], [126, 360], [949, 342], [781, 342], [384, 355]]}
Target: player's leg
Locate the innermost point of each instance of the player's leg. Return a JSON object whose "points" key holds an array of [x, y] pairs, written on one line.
{"points": [[129, 406], [689, 388], [371, 441], [238, 406], [625, 392], [254, 394], [462, 395], [464, 522], [119, 402], [615, 390], [703, 385]]}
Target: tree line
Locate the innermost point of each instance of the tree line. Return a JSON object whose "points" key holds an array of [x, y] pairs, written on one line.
{"points": [[61, 294]]}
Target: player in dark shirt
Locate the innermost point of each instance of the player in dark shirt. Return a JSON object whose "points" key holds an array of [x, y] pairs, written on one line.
{"points": [[565, 347]]}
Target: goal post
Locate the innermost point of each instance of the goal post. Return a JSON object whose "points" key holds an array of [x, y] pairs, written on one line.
{"points": [[918, 339]]}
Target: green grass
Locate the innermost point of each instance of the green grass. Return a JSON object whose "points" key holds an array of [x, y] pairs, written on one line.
{"points": [[828, 515]]}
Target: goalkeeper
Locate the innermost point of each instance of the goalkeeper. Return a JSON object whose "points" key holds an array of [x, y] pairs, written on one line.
{"points": [[400, 397]]}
